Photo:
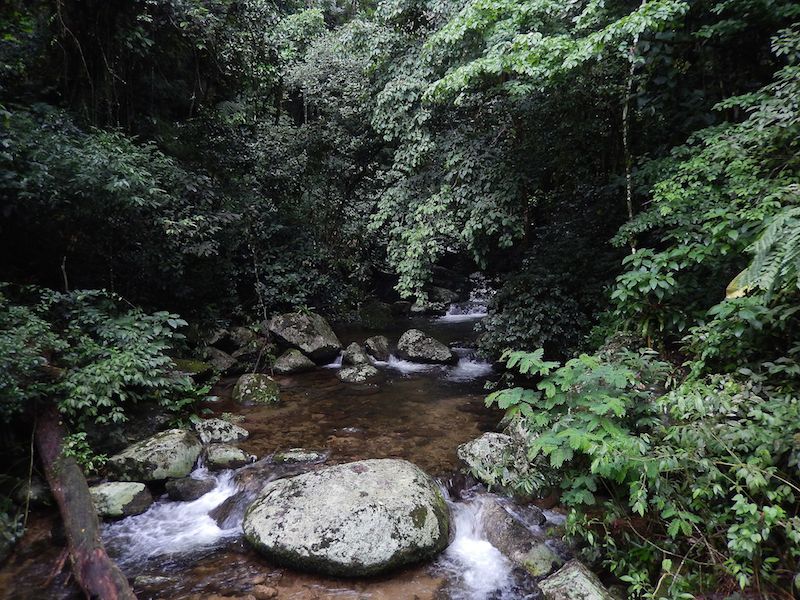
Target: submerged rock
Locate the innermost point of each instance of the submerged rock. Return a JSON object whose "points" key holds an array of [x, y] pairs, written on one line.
{"points": [[169, 454], [117, 499], [354, 355], [219, 431], [187, 489], [417, 346], [574, 581], [256, 388], [358, 374], [293, 361], [378, 347], [308, 332], [223, 456], [353, 519]]}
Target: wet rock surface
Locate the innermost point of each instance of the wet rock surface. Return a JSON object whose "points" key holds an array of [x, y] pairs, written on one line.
{"points": [[359, 374], [377, 346], [307, 332], [169, 454], [219, 431], [187, 489], [417, 346], [350, 520], [117, 499], [293, 361]]}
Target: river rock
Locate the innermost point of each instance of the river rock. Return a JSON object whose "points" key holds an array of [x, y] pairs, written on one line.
{"points": [[419, 347], [219, 431], [223, 456], [308, 332], [256, 388], [300, 455], [354, 519], [574, 581], [187, 489], [378, 347], [354, 355], [293, 361], [374, 314], [221, 361], [358, 374], [485, 454], [117, 499], [169, 454], [522, 543]]}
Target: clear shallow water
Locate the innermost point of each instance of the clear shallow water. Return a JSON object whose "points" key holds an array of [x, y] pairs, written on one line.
{"points": [[418, 412]]}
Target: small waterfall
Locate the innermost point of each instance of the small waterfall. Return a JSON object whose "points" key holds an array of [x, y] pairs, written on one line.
{"points": [[469, 367], [477, 570], [475, 307], [172, 528], [337, 363]]}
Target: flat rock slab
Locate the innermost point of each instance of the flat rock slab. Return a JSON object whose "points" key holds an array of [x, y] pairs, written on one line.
{"points": [[117, 499], [350, 520], [167, 455]]}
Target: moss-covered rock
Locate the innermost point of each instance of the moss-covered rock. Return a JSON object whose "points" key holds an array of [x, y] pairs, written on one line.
{"points": [[219, 431], [420, 347], [574, 581], [223, 456], [293, 361], [117, 499], [256, 388], [359, 374], [169, 454], [308, 332], [353, 519]]}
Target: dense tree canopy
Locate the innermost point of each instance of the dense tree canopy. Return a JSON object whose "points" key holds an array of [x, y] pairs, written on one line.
{"points": [[617, 168]]}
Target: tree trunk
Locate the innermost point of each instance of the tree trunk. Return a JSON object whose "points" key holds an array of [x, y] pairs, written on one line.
{"points": [[96, 574]]}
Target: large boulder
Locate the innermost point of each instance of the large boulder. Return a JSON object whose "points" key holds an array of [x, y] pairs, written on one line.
{"points": [[219, 431], [256, 388], [377, 346], [167, 455], [308, 332], [419, 347], [353, 519], [117, 499], [293, 361], [375, 314], [574, 581], [523, 543], [354, 355], [358, 374]]}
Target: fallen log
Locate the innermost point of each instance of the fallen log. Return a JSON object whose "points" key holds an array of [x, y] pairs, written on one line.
{"points": [[97, 575]]}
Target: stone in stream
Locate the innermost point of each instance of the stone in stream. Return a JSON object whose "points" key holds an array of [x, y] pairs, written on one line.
{"points": [[170, 454], [300, 455], [221, 361], [223, 456], [308, 332], [524, 544], [485, 454], [354, 355], [417, 346], [574, 581], [358, 374], [187, 489], [353, 519], [378, 347], [219, 431], [293, 361], [117, 499], [256, 388]]}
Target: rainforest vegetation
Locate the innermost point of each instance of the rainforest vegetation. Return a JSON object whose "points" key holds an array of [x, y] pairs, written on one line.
{"points": [[625, 174]]}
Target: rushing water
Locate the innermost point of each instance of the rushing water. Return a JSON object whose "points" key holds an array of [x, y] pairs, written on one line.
{"points": [[421, 413]]}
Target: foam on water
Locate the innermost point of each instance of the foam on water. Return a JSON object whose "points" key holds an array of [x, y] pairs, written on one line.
{"points": [[406, 366], [477, 569], [469, 366], [171, 528]]}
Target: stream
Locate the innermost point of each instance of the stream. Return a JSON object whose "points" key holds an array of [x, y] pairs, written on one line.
{"points": [[419, 412]]}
